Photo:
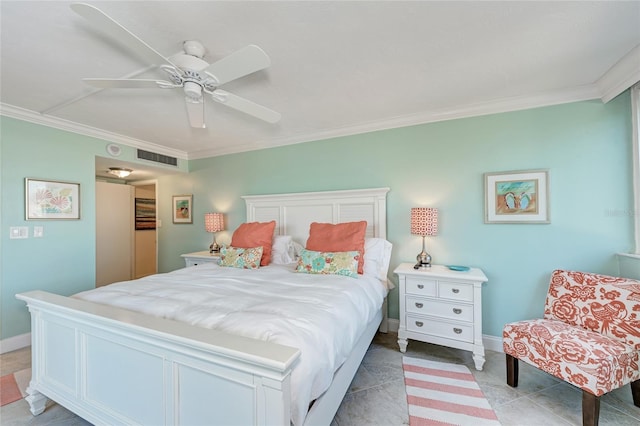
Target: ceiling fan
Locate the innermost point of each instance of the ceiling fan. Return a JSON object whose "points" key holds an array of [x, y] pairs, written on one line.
{"points": [[186, 70]]}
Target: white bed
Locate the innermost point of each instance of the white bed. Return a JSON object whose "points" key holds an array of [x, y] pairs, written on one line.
{"points": [[114, 366]]}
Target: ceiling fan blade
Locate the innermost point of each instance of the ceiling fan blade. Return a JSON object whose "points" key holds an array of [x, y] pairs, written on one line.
{"points": [[246, 106], [125, 83], [108, 25], [195, 111], [242, 62]]}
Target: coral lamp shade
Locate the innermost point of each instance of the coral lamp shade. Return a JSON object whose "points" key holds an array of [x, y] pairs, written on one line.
{"points": [[424, 221], [213, 222]]}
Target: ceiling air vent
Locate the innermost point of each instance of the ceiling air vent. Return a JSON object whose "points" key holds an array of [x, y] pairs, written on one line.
{"points": [[158, 158]]}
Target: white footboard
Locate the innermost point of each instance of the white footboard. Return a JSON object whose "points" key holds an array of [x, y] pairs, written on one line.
{"points": [[113, 366]]}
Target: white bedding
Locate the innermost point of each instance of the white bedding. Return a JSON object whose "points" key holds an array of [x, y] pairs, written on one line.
{"points": [[322, 315]]}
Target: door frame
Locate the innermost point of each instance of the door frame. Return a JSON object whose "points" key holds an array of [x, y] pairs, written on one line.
{"points": [[153, 182]]}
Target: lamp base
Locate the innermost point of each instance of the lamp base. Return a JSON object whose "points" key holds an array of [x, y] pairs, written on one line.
{"points": [[214, 248], [424, 261]]}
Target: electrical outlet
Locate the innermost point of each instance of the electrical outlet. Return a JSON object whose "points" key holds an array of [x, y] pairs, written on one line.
{"points": [[16, 232], [38, 231]]}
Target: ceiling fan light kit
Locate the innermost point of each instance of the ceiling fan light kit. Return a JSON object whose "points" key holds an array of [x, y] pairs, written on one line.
{"points": [[186, 70]]}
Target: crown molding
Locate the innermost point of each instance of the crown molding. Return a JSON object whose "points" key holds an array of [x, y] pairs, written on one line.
{"points": [[73, 127], [616, 80], [622, 75], [577, 94]]}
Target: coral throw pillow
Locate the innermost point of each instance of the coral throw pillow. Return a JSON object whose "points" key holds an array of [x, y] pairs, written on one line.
{"points": [[254, 234], [329, 237]]}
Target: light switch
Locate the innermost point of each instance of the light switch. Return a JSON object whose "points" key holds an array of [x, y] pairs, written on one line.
{"points": [[16, 232], [38, 231]]}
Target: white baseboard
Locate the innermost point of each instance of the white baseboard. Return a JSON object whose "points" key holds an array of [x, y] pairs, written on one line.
{"points": [[393, 324], [491, 343], [14, 343]]}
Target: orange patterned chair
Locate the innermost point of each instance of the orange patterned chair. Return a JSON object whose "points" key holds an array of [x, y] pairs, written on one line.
{"points": [[589, 337]]}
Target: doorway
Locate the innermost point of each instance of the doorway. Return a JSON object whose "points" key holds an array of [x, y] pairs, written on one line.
{"points": [[126, 250], [145, 229], [114, 235]]}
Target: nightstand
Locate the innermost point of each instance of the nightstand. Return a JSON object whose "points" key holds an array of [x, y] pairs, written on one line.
{"points": [[198, 257], [441, 306]]}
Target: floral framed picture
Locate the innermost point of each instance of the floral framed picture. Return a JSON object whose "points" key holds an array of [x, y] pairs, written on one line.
{"points": [[517, 197], [182, 208], [50, 199]]}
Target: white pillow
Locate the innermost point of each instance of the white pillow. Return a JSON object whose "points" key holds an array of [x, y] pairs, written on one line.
{"points": [[282, 250], [296, 250], [377, 255]]}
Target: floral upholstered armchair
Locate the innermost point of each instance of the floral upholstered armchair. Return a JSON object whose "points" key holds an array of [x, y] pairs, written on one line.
{"points": [[589, 337]]}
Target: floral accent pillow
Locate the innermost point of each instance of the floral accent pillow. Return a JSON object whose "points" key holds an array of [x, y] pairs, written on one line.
{"points": [[336, 263], [338, 237], [245, 258], [254, 234]]}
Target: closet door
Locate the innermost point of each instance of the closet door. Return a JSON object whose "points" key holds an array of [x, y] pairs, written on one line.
{"points": [[114, 233]]}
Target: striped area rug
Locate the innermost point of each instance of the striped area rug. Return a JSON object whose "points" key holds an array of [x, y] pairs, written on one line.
{"points": [[442, 394], [13, 386]]}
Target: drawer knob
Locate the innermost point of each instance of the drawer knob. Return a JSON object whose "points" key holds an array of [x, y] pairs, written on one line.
{"points": [[419, 323], [457, 330], [420, 286], [457, 311], [455, 290], [419, 305]]}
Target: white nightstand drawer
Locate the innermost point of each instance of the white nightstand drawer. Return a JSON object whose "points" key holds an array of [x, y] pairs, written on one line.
{"points": [[462, 332], [455, 291], [421, 286], [456, 311], [442, 306]]}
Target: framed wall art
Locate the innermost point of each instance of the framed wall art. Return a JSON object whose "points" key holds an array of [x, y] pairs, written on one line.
{"points": [[50, 199], [145, 214], [182, 208], [517, 197]]}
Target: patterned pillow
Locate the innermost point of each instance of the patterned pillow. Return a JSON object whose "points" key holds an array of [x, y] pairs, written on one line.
{"points": [[338, 237], [254, 234], [245, 258], [337, 263]]}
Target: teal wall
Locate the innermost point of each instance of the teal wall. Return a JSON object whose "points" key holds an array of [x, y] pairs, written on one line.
{"points": [[586, 146], [63, 261]]}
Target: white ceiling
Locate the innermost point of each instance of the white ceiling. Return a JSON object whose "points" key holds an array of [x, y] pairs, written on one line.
{"points": [[338, 68]]}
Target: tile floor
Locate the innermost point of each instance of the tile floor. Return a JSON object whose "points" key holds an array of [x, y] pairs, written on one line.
{"points": [[377, 393]]}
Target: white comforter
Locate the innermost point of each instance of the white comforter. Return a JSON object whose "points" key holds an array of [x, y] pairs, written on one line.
{"points": [[322, 315]]}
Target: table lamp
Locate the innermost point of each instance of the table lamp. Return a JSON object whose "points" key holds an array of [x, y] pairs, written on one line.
{"points": [[214, 222], [424, 221]]}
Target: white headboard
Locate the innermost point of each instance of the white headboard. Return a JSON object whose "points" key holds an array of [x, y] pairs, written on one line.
{"points": [[294, 213]]}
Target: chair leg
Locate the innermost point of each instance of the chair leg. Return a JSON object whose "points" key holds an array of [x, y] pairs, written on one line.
{"points": [[635, 392], [590, 409], [512, 371]]}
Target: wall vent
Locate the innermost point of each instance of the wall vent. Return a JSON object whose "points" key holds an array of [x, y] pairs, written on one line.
{"points": [[158, 158]]}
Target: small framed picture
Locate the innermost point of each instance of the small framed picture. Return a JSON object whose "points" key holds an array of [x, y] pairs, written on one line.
{"points": [[517, 197], [145, 214], [182, 208], [51, 199]]}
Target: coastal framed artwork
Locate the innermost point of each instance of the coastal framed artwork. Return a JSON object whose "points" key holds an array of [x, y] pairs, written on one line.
{"points": [[51, 199], [182, 208], [517, 197]]}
